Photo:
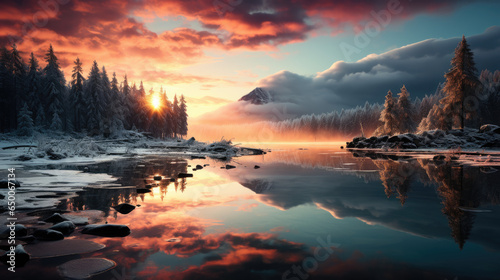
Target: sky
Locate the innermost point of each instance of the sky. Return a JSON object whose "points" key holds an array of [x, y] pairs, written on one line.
{"points": [[223, 49]]}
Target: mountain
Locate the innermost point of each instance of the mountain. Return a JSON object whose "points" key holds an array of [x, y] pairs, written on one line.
{"points": [[258, 96]]}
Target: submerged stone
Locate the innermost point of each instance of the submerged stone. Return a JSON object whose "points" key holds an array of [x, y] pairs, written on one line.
{"points": [[107, 230], [65, 227], [55, 218], [85, 268], [21, 256], [48, 235]]}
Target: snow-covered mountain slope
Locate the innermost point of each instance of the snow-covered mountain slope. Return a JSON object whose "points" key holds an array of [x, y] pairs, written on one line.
{"points": [[258, 96]]}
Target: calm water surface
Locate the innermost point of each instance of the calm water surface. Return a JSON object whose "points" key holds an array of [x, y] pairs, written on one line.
{"points": [[319, 213]]}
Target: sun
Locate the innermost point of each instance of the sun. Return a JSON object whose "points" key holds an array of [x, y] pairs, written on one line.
{"points": [[155, 102]]}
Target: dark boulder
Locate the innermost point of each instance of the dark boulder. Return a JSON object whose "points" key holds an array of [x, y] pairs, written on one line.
{"points": [[256, 167], [157, 178], [199, 167], [107, 230], [48, 235], [65, 227], [357, 139], [55, 218], [21, 257], [143, 190], [228, 166], [19, 230]]}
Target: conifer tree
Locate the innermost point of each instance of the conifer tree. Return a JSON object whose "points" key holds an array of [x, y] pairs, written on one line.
{"points": [[25, 121], [183, 117], [461, 83], [93, 94], [405, 112], [54, 81], [77, 96], [388, 116]]}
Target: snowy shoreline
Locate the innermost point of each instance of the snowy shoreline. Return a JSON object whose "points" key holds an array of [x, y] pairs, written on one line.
{"points": [[63, 148]]}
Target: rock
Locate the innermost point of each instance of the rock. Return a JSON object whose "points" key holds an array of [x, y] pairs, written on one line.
{"points": [[19, 229], [157, 178], [408, 146], [199, 167], [65, 247], [55, 218], [256, 167], [21, 257], [228, 166], [24, 158], [85, 268], [143, 190], [361, 145], [205, 165], [53, 155], [393, 139], [190, 141], [172, 179], [489, 128], [4, 184], [492, 144], [357, 139], [65, 227], [48, 235], [2, 196], [184, 175], [124, 208], [341, 147], [27, 239], [198, 157], [383, 138], [107, 230], [405, 138], [148, 186]]}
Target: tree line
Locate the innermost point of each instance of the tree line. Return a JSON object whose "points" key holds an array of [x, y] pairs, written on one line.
{"points": [[33, 98]]}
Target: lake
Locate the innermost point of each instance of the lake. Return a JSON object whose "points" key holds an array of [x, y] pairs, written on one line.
{"points": [[315, 213]]}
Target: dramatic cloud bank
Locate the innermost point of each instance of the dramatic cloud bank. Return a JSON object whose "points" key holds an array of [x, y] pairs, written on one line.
{"points": [[115, 34], [419, 66]]}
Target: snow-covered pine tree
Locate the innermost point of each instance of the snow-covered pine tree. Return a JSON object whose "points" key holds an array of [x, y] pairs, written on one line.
{"points": [[94, 94], [183, 117], [19, 71], [56, 124], [54, 86], [461, 84], [388, 116], [116, 107], [25, 121], [176, 112], [405, 112], [34, 86], [77, 96], [107, 113]]}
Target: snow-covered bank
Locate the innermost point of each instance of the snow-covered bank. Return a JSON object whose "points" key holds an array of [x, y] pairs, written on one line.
{"points": [[63, 148], [487, 137]]}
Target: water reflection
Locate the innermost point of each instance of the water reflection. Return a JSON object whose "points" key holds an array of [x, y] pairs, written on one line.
{"points": [[225, 224]]}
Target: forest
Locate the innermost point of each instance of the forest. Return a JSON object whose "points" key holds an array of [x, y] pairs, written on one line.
{"points": [[35, 99]]}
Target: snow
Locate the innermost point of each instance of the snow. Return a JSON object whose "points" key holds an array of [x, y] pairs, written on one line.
{"points": [[258, 96]]}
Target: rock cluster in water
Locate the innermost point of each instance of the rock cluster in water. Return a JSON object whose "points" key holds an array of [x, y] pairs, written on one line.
{"points": [[488, 136]]}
